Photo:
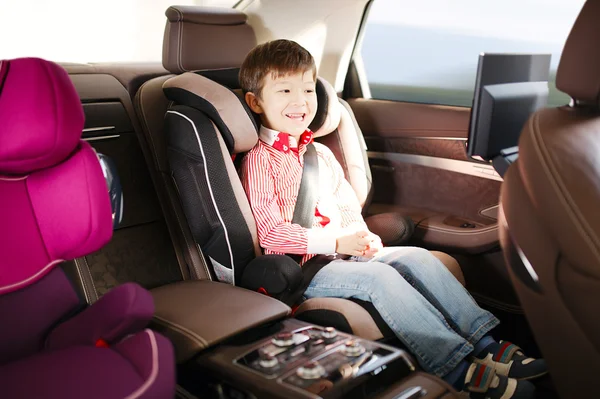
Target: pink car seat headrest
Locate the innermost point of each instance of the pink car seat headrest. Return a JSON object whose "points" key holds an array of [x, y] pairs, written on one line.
{"points": [[54, 204], [41, 115]]}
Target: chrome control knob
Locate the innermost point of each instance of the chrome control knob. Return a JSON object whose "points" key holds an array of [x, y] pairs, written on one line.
{"points": [[283, 339], [311, 371], [353, 348], [267, 360], [329, 333]]}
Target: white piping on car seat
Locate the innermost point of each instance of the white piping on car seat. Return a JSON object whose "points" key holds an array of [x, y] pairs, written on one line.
{"points": [[152, 378], [6, 178], [212, 196], [30, 279]]}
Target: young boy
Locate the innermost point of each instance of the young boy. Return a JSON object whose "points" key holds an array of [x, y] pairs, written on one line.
{"points": [[421, 301]]}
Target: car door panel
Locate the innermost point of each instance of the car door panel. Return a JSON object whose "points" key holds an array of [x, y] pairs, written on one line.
{"points": [[420, 167], [433, 147], [392, 119]]}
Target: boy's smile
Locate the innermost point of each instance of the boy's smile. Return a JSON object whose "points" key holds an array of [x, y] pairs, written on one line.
{"points": [[287, 103]]}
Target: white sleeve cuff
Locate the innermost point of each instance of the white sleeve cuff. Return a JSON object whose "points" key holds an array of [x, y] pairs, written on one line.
{"points": [[320, 241]]}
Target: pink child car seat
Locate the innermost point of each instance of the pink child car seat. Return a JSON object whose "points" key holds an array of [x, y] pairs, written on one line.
{"points": [[54, 206]]}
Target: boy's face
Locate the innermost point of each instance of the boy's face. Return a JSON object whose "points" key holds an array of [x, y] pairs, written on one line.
{"points": [[287, 103]]}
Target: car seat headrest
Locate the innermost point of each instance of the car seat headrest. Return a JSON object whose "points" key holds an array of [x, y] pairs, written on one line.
{"points": [[222, 104], [329, 111], [579, 69], [205, 38], [54, 202], [41, 115]]}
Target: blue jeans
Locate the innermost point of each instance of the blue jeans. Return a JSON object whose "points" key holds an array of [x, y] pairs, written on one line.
{"points": [[419, 299]]}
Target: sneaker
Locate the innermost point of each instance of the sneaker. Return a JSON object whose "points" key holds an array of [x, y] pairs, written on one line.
{"points": [[482, 382], [508, 360]]}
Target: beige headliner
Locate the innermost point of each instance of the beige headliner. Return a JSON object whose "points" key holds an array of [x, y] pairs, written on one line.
{"points": [[327, 28]]}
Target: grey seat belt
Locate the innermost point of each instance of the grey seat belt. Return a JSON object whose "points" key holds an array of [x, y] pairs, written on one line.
{"points": [[304, 212], [306, 202]]}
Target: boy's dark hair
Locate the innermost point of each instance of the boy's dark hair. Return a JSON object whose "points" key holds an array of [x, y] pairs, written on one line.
{"points": [[277, 57]]}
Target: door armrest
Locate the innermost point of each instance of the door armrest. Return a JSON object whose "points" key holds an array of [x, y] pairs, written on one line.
{"points": [[441, 231]]}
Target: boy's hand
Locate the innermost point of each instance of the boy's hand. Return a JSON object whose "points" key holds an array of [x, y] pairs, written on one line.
{"points": [[353, 244], [374, 246]]}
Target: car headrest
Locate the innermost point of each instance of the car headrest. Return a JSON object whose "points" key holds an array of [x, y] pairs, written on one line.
{"points": [[579, 69], [41, 115], [217, 93], [54, 204], [222, 104], [205, 38], [329, 109]]}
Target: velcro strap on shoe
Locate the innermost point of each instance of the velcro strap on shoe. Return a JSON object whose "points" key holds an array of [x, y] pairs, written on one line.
{"points": [[506, 352], [480, 379]]}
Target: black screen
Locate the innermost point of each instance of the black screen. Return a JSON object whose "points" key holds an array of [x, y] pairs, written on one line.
{"points": [[508, 89]]}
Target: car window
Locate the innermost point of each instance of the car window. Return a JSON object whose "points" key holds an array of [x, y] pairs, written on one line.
{"points": [[427, 51], [87, 31]]}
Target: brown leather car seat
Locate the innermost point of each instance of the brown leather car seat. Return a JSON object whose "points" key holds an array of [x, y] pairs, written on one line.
{"points": [[550, 222], [184, 50]]}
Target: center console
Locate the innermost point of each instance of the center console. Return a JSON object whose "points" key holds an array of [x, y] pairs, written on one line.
{"points": [[235, 343], [316, 360], [293, 359]]}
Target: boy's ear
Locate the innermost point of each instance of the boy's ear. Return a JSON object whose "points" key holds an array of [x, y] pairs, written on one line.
{"points": [[252, 102]]}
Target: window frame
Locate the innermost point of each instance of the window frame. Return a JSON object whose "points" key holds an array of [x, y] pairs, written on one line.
{"points": [[357, 82]]}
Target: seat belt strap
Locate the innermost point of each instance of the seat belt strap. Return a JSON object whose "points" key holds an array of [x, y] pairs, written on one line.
{"points": [[304, 212], [306, 202]]}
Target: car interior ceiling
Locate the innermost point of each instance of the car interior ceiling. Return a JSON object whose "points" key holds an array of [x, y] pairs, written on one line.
{"points": [[453, 212]]}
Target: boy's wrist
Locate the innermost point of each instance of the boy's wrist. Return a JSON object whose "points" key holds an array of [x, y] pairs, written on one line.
{"points": [[321, 241]]}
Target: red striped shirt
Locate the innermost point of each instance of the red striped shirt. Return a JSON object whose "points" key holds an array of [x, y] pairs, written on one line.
{"points": [[271, 178]]}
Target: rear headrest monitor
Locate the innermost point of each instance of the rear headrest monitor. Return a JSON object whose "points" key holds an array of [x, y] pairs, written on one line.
{"points": [[508, 89]]}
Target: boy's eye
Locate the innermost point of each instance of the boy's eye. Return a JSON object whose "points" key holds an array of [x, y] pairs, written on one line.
{"points": [[284, 91], [310, 91]]}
